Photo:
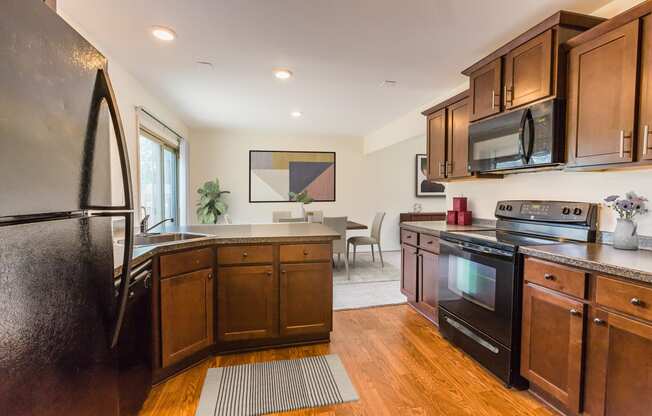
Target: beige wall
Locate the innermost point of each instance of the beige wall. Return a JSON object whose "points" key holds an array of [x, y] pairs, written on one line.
{"points": [[382, 181]]}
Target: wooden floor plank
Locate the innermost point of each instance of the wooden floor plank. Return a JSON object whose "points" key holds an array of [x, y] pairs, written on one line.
{"points": [[398, 362]]}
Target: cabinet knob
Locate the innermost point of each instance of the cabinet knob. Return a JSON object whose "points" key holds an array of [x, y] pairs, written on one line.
{"points": [[283, 271], [636, 302], [575, 312], [305, 252], [245, 254], [549, 276], [269, 273], [210, 275], [598, 321]]}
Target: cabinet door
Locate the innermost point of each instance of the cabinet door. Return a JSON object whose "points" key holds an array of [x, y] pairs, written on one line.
{"points": [[528, 71], [409, 272], [485, 90], [437, 145], [306, 298], [247, 299], [619, 366], [551, 350], [645, 91], [601, 98], [458, 140], [186, 315], [428, 284]]}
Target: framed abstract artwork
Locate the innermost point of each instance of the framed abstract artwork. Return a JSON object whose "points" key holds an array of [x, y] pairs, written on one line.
{"points": [[273, 175], [425, 188]]}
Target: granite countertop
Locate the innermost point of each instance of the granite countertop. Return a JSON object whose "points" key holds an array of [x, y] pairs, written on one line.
{"points": [[437, 227], [228, 234], [601, 258]]}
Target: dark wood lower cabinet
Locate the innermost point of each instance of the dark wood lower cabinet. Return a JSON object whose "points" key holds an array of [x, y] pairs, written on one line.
{"points": [[551, 347], [409, 272], [247, 303], [186, 315], [428, 288], [619, 366], [306, 299]]}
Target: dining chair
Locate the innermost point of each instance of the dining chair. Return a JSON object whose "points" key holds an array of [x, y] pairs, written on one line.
{"points": [[277, 215], [315, 216], [338, 224], [374, 238], [291, 220]]}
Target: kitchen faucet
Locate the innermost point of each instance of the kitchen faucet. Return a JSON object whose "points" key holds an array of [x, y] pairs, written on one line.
{"points": [[144, 228]]}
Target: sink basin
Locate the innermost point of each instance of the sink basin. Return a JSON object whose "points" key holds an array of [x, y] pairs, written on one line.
{"points": [[152, 239]]}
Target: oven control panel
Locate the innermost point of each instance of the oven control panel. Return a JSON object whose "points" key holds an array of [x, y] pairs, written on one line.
{"points": [[547, 211]]}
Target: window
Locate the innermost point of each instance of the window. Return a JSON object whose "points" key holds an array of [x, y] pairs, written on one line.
{"points": [[159, 186]]}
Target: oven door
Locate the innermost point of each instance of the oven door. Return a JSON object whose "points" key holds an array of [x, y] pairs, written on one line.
{"points": [[476, 285]]}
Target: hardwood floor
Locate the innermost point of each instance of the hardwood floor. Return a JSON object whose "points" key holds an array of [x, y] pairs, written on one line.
{"points": [[398, 362]]}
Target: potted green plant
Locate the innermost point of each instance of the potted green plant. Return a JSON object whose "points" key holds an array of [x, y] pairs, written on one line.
{"points": [[211, 205], [303, 198]]}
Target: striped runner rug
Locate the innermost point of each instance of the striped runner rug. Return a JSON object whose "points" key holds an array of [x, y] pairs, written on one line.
{"points": [[276, 386]]}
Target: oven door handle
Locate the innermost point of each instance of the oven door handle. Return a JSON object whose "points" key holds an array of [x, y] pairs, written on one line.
{"points": [[474, 249]]}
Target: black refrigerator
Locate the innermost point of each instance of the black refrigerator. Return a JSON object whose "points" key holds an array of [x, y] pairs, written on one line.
{"points": [[61, 310]]}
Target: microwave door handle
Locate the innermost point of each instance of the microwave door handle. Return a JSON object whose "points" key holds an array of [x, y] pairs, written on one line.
{"points": [[530, 144], [521, 136]]}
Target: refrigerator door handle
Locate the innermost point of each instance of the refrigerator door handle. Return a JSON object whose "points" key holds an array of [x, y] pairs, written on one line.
{"points": [[124, 279], [104, 91]]}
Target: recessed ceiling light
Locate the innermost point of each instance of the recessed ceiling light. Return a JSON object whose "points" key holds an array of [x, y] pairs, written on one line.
{"points": [[163, 33], [388, 83], [205, 64], [282, 73], [296, 114]]}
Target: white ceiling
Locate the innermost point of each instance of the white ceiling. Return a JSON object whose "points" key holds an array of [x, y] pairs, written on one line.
{"points": [[339, 50]]}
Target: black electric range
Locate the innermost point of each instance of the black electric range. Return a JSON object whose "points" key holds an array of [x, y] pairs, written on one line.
{"points": [[480, 285]]}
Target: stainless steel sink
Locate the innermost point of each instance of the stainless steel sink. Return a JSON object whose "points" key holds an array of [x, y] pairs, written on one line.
{"points": [[153, 239]]}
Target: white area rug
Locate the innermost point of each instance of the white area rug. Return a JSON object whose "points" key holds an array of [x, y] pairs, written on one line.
{"points": [[364, 295]]}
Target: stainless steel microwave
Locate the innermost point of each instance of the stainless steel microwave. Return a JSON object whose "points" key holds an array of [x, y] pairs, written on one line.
{"points": [[527, 138]]}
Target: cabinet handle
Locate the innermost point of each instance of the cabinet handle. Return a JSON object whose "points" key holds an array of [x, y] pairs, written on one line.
{"points": [[305, 252], [493, 99], [245, 254], [636, 302], [283, 271], [598, 321], [505, 91], [270, 273], [621, 151], [210, 275], [449, 168], [575, 312], [646, 133], [549, 276], [441, 166]]}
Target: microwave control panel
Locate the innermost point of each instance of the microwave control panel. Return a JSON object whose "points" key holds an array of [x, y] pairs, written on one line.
{"points": [[547, 211]]}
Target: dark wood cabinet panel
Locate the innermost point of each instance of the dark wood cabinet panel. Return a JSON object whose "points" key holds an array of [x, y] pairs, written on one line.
{"points": [[551, 347], [619, 366], [247, 300], [245, 255], [437, 145], [645, 92], [601, 101], [422, 216], [485, 90], [458, 140], [186, 315], [305, 252], [186, 261], [409, 272], [553, 276], [428, 279], [528, 71], [306, 301]]}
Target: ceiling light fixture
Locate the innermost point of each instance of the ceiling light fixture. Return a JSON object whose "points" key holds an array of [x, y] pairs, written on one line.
{"points": [[164, 33], [282, 73], [296, 114]]}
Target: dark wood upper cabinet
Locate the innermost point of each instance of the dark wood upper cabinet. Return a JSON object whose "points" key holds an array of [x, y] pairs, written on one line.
{"points": [[306, 298], [457, 159], [602, 98], [247, 303], [186, 315], [409, 272], [485, 90], [619, 363], [551, 346], [528, 71], [436, 136], [645, 92]]}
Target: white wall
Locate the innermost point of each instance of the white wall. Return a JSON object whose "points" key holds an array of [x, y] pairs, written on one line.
{"points": [[130, 93], [382, 181]]}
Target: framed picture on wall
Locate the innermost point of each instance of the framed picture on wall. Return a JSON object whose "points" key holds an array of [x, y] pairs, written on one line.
{"points": [[425, 188], [276, 175]]}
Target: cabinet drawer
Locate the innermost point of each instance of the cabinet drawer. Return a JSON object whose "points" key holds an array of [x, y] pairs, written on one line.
{"points": [[556, 277], [428, 242], [305, 252], [624, 297], [186, 262], [409, 237], [245, 254]]}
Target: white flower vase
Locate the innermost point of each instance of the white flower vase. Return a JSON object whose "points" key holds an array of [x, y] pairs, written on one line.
{"points": [[303, 211], [625, 236]]}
